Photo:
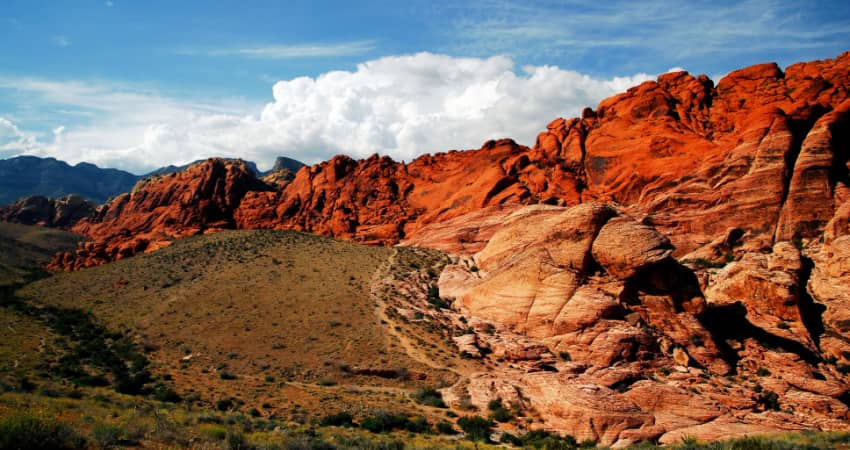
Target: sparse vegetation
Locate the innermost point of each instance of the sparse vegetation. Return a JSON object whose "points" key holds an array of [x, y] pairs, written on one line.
{"points": [[476, 428], [702, 263], [26, 431], [341, 419], [429, 397]]}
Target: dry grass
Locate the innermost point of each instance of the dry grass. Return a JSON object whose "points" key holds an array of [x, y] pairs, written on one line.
{"points": [[274, 320], [24, 248]]}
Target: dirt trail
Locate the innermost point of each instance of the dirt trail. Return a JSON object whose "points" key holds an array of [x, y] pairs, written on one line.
{"points": [[381, 310]]}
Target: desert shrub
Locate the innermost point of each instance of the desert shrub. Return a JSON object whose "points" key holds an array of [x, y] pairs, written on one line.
{"points": [[165, 393], [225, 375], [213, 432], [224, 404], [502, 415], [107, 435], [384, 421], [418, 424], [429, 397], [510, 439], [498, 412], [364, 443], [341, 419], [445, 428], [547, 440], [476, 428], [237, 441], [24, 431]]}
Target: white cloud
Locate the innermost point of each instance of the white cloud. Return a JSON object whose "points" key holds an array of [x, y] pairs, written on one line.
{"points": [[316, 50], [13, 141], [401, 106]]}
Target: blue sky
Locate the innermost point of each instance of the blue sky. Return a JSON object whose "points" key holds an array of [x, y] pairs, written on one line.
{"points": [[139, 84]]}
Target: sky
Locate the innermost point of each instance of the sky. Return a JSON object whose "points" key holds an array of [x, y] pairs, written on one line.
{"points": [[137, 85]]}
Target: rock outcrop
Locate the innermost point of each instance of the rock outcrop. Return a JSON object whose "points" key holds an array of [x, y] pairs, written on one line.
{"points": [[39, 210], [200, 199], [759, 152], [651, 349]]}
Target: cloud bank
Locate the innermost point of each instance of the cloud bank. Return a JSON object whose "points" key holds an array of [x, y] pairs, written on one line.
{"points": [[401, 106]]}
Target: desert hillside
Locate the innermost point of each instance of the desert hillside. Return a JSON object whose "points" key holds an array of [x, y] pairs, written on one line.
{"points": [[673, 265]]}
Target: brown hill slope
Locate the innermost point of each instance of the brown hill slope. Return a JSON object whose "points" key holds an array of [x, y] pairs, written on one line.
{"points": [[764, 151], [26, 248], [276, 318]]}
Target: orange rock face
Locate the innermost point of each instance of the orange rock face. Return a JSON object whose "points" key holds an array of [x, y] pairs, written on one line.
{"points": [[758, 152], [200, 199]]}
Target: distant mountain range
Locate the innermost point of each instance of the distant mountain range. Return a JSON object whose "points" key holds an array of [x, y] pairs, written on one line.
{"points": [[24, 176]]}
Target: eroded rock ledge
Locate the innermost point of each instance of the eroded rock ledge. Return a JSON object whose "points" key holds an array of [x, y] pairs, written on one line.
{"points": [[606, 336]]}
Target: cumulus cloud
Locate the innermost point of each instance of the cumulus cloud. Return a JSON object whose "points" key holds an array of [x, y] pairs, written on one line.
{"points": [[401, 106]]}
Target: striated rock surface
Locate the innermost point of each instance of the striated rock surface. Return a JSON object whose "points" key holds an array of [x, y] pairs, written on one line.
{"points": [[642, 352], [39, 210]]}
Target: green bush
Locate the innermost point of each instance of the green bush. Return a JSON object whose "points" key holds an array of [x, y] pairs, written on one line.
{"points": [[429, 397], [24, 431], [547, 440], [224, 404], [445, 428], [418, 424], [165, 393], [383, 422], [502, 415], [342, 419], [214, 433], [476, 428], [107, 435], [237, 441]]}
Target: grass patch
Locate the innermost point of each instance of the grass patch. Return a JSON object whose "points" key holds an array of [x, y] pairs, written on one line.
{"points": [[31, 432]]}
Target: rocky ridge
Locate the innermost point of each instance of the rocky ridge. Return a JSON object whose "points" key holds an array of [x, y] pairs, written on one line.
{"points": [[49, 212], [761, 151]]}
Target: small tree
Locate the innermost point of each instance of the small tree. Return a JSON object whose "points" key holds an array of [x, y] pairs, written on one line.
{"points": [[476, 428]]}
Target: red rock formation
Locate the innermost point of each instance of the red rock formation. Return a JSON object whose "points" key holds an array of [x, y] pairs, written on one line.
{"points": [[198, 200], [759, 152]]}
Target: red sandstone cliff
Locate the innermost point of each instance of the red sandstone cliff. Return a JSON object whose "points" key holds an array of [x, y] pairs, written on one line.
{"points": [[763, 151]]}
